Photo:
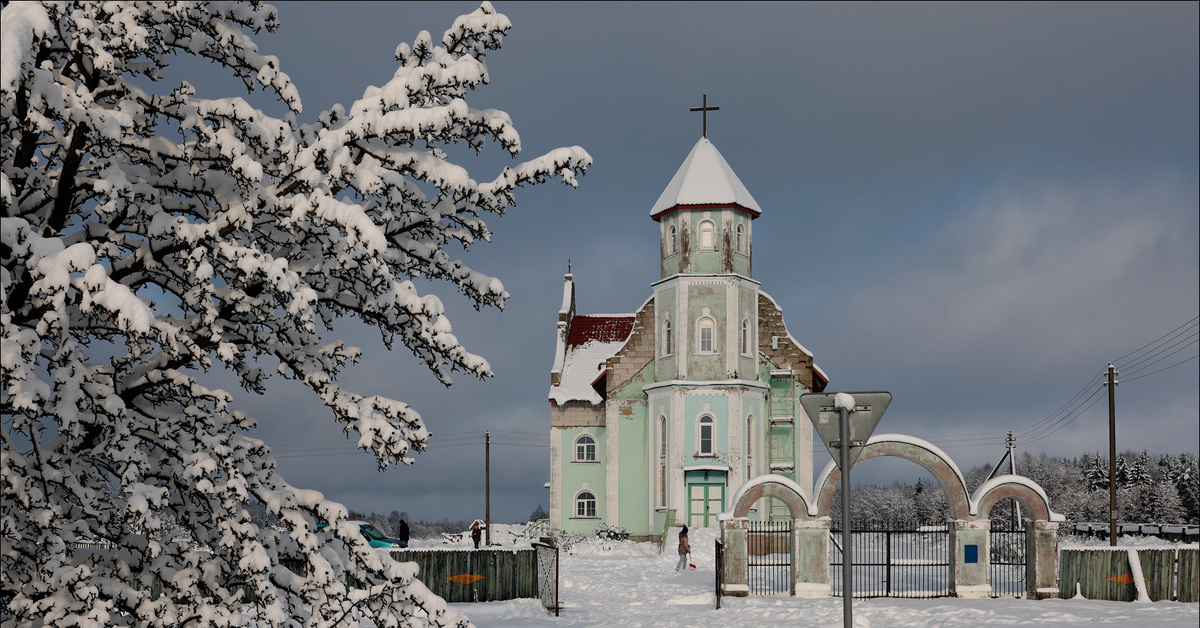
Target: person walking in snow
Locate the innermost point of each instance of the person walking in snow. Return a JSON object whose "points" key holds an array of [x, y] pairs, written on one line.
{"points": [[684, 549]]}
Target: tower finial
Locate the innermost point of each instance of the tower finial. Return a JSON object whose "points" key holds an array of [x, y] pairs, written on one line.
{"points": [[704, 109]]}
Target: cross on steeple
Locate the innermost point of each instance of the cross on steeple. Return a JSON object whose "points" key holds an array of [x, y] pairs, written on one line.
{"points": [[704, 114]]}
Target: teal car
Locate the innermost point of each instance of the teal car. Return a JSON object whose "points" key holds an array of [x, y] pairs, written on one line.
{"points": [[377, 538], [373, 535]]}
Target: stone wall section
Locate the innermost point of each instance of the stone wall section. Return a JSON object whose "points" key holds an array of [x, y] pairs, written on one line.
{"points": [[784, 354], [576, 414], [638, 351]]}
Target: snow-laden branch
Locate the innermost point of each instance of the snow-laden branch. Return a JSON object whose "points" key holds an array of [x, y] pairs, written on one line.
{"points": [[149, 236]]}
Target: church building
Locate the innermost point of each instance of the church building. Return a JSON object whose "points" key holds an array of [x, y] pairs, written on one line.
{"points": [[666, 411]]}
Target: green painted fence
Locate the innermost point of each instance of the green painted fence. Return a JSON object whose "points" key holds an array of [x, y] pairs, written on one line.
{"points": [[1189, 575], [483, 575], [1105, 573]]}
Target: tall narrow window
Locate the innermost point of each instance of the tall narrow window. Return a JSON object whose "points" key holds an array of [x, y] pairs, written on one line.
{"points": [[585, 505], [741, 239], [671, 240], [749, 447], [706, 436], [705, 329], [585, 449], [707, 235], [666, 337], [745, 341], [662, 461]]}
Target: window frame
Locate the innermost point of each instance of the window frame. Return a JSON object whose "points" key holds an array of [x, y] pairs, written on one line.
{"points": [[672, 235], [706, 228], [703, 324], [583, 504], [740, 230], [581, 449], [668, 341], [706, 421]]}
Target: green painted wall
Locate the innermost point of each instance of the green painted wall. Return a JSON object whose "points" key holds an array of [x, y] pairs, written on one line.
{"points": [[706, 300], [634, 468], [664, 309], [575, 474]]}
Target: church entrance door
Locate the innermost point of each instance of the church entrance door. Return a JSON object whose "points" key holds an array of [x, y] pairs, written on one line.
{"points": [[705, 501]]}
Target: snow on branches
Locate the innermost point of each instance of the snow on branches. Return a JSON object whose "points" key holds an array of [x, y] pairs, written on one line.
{"points": [[150, 235]]}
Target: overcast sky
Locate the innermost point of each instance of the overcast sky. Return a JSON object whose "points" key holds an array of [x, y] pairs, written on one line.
{"points": [[975, 207]]}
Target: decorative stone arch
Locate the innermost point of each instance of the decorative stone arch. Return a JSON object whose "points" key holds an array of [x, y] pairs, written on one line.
{"points": [[1020, 488], [934, 460], [774, 486]]}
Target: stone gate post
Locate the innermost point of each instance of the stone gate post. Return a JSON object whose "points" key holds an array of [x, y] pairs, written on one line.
{"points": [[970, 557], [810, 557], [1041, 559], [734, 537]]}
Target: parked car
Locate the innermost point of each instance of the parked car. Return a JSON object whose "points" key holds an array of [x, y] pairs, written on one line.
{"points": [[373, 535], [377, 538]]}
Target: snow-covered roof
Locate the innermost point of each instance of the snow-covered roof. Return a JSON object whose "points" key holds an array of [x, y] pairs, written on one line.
{"points": [[591, 340], [705, 179]]}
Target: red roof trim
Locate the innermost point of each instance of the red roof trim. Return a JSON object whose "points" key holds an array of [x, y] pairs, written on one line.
{"points": [[753, 214]]}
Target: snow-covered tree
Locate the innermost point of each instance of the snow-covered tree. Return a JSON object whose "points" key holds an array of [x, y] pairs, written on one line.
{"points": [[150, 234]]}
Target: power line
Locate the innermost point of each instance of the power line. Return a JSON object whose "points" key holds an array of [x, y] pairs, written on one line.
{"points": [[1163, 369]]}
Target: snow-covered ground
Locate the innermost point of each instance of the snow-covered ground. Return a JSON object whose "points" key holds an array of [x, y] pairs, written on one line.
{"points": [[607, 583]]}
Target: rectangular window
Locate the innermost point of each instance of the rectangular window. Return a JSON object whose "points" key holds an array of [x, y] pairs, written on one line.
{"points": [[706, 339]]}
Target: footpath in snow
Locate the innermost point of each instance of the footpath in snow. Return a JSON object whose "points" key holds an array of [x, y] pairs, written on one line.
{"points": [[609, 583]]}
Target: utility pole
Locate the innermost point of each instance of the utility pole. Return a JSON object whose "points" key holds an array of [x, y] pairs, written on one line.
{"points": [[1112, 456], [487, 489], [1012, 470]]}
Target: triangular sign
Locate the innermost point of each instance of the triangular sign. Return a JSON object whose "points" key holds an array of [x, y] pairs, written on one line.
{"points": [[822, 410]]}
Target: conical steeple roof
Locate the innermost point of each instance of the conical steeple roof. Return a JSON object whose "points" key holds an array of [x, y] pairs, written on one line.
{"points": [[705, 180]]}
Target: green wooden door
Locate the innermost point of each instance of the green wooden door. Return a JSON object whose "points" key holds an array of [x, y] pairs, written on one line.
{"points": [[704, 502]]}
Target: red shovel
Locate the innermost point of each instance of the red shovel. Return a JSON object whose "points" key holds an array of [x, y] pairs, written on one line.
{"points": [[691, 564]]}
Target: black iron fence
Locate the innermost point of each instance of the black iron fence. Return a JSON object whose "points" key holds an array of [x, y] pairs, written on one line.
{"points": [[1008, 563], [720, 584], [769, 558], [893, 563]]}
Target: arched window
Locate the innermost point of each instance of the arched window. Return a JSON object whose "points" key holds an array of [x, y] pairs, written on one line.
{"points": [[662, 437], [705, 333], [585, 505], [706, 435], [745, 340], [741, 239], [707, 235], [666, 336], [585, 448], [671, 240]]}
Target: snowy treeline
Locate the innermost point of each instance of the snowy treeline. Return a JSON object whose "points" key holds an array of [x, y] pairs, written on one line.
{"points": [[1150, 489], [151, 234]]}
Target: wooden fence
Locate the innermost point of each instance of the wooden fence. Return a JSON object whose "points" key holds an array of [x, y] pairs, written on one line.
{"points": [[484, 575], [1105, 573]]}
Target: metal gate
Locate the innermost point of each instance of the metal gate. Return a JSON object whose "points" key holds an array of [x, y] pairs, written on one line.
{"points": [[1008, 562], [769, 558], [894, 563]]}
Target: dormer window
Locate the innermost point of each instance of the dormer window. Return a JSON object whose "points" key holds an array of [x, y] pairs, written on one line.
{"points": [[708, 240]]}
